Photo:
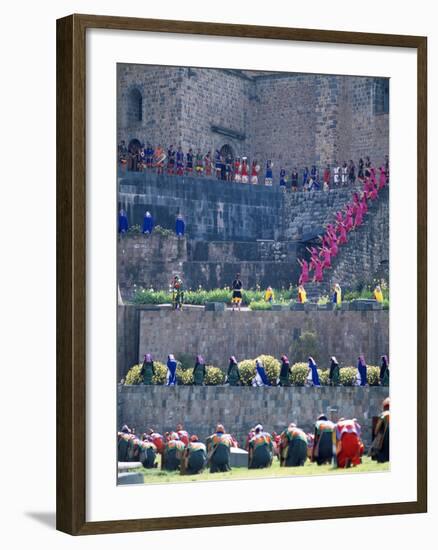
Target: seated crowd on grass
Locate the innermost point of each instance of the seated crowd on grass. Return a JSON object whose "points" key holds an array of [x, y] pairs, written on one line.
{"points": [[338, 443]]}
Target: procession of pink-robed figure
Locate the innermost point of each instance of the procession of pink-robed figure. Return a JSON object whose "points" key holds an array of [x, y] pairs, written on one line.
{"points": [[346, 220]]}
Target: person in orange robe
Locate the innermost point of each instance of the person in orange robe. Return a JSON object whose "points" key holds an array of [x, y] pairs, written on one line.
{"points": [[349, 447]]}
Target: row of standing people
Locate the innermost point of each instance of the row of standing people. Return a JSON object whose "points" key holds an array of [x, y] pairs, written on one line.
{"points": [[233, 377], [337, 443], [148, 224], [239, 169]]}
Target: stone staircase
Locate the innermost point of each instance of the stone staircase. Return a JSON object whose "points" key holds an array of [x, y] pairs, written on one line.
{"points": [[364, 258]]}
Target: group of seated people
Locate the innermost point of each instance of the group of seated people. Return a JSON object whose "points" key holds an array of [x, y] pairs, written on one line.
{"points": [[338, 443], [223, 166], [233, 376], [336, 234]]}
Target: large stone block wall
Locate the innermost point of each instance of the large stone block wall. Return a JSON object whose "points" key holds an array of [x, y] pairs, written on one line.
{"points": [[199, 409], [247, 334], [293, 119]]}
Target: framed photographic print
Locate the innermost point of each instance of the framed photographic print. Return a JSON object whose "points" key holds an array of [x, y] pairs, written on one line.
{"points": [[241, 258]]}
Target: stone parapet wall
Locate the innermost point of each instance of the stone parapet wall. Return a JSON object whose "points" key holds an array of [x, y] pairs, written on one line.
{"points": [[246, 334], [199, 409]]}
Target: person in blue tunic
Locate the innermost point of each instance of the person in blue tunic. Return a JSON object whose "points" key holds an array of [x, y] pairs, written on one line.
{"points": [[171, 371], [313, 377], [148, 223], [362, 371], [123, 222], [261, 378], [180, 226]]}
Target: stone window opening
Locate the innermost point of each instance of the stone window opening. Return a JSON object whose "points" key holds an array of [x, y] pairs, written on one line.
{"points": [[135, 107], [381, 97], [227, 151]]}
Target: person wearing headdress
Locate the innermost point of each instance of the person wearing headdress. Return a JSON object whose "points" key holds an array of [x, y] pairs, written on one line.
{"points": [[305, 177], [344, 173], [180, 226], [233, 374], [218, 163], [123, 438], [189, 162], [337, 294], [147, 453], [304, 276], [283, 179], [322, 452], [159, 158], [207, 164], [229, 167], [147, 370], [268, 175], [260, 378], [255, 169], [236, 298], [285, 371], [378, 294], [362, 371], [244, 171], [123, 221], [302, 295], [199, 371], [326, 178], [260, 449], [171, 160], [157, 439], [348, 444], [269, 295], [293, 446], [171, 371], [379, 450], [148, 223], [237, 170], [294, 180], [218, 450], [334, 372], [182, 434], [195, 457], [384, 371], [173, 453], [177, 293], [313, 376], [199, 163]]}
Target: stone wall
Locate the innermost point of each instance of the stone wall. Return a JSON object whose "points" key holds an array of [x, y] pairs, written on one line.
{"points": [[199, 409], [246, 334], [294, 119]]}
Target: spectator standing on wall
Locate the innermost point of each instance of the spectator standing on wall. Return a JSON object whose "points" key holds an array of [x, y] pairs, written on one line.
{"points": [[336, 174], [148, 223], [351, 173], [294, 180], [326, 178], [344, 173], [305, 177], [237, 287]]}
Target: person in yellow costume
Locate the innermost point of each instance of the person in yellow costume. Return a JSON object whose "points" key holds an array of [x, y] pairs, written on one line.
{"points": [[378, 294], [302, 295], [337, 294], [269, 295]]}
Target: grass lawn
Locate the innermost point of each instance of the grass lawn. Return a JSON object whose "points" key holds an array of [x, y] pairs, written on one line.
{"points": [[309, 469]]}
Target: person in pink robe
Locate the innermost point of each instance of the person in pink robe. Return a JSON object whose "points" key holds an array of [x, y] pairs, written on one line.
{"points": [[364, 204], [326, 254], [349, 219], [304, 277], [358, 218], [373, 175], [374, 193], [382, 177], [334, 247], [342, 234], [319, 268]]}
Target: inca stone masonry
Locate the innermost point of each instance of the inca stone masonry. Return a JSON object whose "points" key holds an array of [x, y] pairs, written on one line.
{"points": [[293, 119]]}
